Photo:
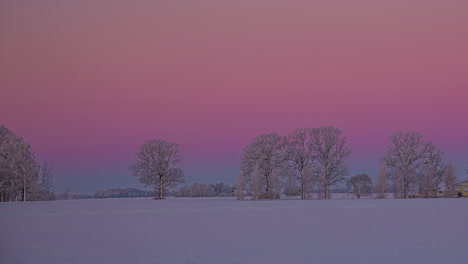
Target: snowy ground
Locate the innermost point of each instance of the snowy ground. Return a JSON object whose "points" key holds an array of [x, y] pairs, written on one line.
{"points": [[222, 230]]}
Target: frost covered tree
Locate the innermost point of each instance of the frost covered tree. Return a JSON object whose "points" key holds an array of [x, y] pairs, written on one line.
{"points": [[157, 165], [432, 174], [18, 168], [66, 194], [382, 180], [45, 189], [299, 153], [261, 164], [331, 151], [118, 193], [360, 185], [240, 190], [200, 190], [221, 189], [450, 179], [195, 190], [406, 157], [291, 187]]}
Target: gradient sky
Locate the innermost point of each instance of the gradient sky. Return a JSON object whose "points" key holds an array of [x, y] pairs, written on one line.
{"points": [[87, 82]]}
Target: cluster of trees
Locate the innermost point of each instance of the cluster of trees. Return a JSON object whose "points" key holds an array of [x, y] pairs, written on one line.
{"points": [[122, 193], [203, 190], [307, 156], [414, 167], [294, 164], [22, 178], [109, 193]]}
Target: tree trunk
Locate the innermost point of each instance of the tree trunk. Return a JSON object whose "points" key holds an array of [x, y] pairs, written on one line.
{"points": [[160, 187], [326, 182], [302, 185], [24, 188], [326, 195], [405, 191], [267, 184], [303, 191]]}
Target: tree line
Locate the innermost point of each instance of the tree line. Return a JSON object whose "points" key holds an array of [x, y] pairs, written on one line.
{"points": [[414, 167], [305, 161], [205, 190], [308, 159], [194, 190], [316, 157], [307, 156]]}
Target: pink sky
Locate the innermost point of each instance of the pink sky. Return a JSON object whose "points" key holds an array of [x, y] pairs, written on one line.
{"points": [[87, 82]]}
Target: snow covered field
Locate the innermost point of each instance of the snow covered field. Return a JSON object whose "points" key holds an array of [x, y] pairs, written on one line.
{"points": [[222, 230]]}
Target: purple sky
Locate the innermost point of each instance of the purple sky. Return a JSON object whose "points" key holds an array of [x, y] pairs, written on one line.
{"points": [[87, 82]]}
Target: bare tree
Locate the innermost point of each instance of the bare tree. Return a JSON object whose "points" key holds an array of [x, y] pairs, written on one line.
{"points": [[66, 194], [260, 164], [8, 179], [432, 172], [450, 180], [46, 173], [241, 186], [221, 189], [46, 185], [382, 180], [156, 165], [360, 185], [299, 152], [200, 190], [405, 156], [290, 184], [329, 146], [28, 169], [18, 169]]}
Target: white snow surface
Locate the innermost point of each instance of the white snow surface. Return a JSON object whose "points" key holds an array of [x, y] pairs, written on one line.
{"points": [[223, 230]]}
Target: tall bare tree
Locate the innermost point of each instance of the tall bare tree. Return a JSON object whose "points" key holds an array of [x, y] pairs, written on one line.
{"points": [[66, 194], [360, 185], [382, 180], [156, 165], [260, 165], [450, 180], [329, 146], [432, 173], [47, 188], [18, 169], [299, 152], [290, 186], [405, 158], [8, 179], [241, 186]]}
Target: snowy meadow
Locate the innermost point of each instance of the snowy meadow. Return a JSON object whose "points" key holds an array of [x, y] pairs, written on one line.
{"points": [[223, 230]]}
